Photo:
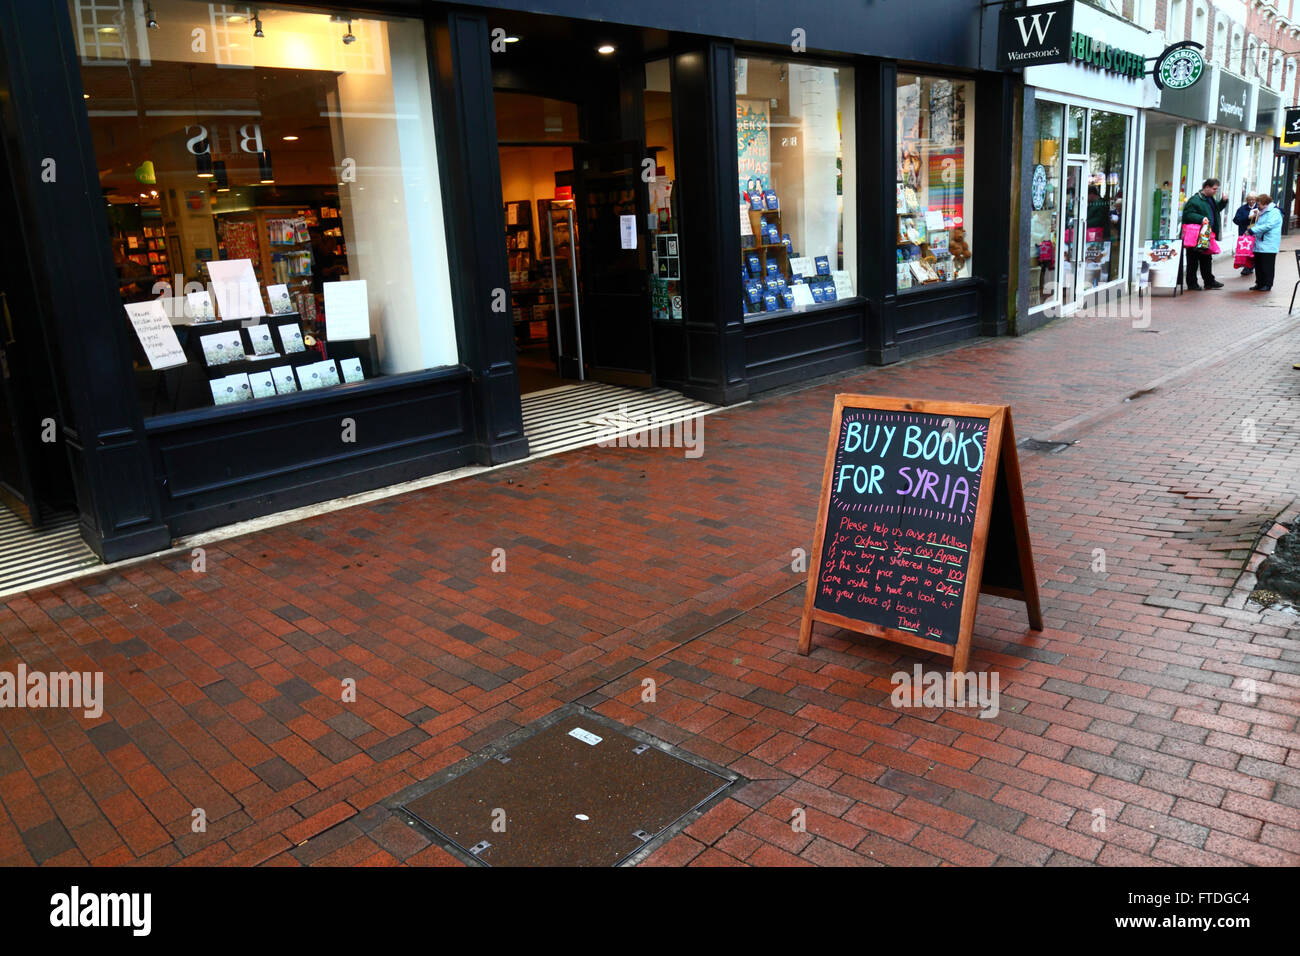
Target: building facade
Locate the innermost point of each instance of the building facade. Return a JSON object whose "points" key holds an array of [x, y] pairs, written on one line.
{"points": [[265, 255], [1095, 220]]}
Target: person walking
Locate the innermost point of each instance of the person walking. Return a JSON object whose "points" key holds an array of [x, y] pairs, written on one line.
{"points": [[1267, 231], [1245, 215], [1200, 210]]}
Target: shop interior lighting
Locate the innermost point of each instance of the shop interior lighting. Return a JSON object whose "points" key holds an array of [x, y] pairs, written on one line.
{"points": [[349, 37], [257, 25], [605, 49], [150, 20]]}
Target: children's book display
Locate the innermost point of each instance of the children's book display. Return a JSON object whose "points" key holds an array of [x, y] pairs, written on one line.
{"points": [[774, 277], [249, 352], [931, 243]]}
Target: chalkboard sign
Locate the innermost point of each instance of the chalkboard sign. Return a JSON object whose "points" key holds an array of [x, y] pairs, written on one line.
{"points": [[903, 527]]}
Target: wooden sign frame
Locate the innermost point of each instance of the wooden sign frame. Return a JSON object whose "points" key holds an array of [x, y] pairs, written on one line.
{"points": [[1000, 460]]}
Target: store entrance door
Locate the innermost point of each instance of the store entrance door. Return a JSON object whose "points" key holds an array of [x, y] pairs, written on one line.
{"points": [[32, 472], [615, 289], [1073, 233]]}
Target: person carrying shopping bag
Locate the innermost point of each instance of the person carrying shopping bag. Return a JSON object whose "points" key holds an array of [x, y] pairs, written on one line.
{"points": [[1202, 210], [1245, 215], [1268, 240]]}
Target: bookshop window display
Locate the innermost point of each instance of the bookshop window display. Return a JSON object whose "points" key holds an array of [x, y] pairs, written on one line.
{"points": [[795, 145], [935, 149], [273, 198]]}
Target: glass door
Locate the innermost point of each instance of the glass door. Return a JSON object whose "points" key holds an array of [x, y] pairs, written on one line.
{"points": [[1072, 233]]}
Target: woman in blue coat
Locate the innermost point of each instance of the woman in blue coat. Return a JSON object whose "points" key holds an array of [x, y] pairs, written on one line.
{"points": [[1268, 239]]}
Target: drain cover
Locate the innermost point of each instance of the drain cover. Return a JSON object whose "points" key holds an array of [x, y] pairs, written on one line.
{"points": [[579, 792]]}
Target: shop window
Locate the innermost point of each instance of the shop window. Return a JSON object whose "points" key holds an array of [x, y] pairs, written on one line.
{"points": [[1076, 117], [1105, 207], [273, 199], [935, 143], [795, 148], [1044, 185]]}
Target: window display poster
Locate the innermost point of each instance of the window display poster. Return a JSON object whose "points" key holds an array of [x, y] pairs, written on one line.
{"points": [[947, 179], [235, 284], [284, 381], [753, 143], [803, 296], [262, 383], [941, 113], [222, 347], [802, 266], [198, 306], [278, 295], [626, 235], [843, 284], [347, 311], [156, 335], [232, 388]]}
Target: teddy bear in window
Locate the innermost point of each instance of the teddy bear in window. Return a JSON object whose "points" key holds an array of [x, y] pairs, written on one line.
{"points": [[958, 248]]}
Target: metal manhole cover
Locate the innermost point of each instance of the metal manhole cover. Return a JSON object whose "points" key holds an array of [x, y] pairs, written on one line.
{"points": [[579, 792]]}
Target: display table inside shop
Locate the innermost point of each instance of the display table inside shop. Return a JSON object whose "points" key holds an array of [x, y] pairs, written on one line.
{"points": [[210, 377]]}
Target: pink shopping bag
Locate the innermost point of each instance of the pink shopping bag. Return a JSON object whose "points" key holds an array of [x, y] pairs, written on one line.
{"points": [[1245, 254], [1191, 232]]}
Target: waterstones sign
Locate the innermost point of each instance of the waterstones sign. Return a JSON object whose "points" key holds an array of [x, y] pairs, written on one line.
{"points": [[1089, 51], [1035, 36]]}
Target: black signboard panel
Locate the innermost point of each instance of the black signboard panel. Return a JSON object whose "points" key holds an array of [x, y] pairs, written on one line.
{"points": [[1034, 36], [901, 519]]}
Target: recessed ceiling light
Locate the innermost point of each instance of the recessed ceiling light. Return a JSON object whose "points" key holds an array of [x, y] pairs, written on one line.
{"points": [[289, 139], [512, 39], [108, 29], [266, 181], [236, 18], [205, 175], [223, 189], [605, 48], [85, 96]]}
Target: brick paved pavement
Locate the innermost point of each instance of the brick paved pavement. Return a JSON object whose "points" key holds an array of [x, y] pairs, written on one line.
{"points": [[223, 688]]}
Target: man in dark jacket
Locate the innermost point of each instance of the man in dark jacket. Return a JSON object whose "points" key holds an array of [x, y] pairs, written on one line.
{"points": [[1202, 209]]}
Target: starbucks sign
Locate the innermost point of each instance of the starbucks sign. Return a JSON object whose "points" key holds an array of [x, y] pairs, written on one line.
{"points": [[1038, 187], [1179, 66]]}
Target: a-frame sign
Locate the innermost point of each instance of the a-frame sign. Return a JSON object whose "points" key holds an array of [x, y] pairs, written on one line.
{"points": [[921, 509]]}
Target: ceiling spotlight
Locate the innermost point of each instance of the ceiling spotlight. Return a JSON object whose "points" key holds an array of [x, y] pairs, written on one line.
{"points": [[257, 25], [150, 20], [512, 39], [348, 37], [108, 29], [85, 96], [289, 139], [605, 49]]}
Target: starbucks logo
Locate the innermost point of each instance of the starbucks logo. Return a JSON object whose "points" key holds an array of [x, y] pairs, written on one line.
{"points": [[1038, 187], [1181, 68]]}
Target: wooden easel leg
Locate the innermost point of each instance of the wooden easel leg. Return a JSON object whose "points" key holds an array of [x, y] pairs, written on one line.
{"points": [[805, 634], [1020, 519]]}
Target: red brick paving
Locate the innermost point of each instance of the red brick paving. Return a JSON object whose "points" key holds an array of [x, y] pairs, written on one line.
{"points": [[1127, 734]]}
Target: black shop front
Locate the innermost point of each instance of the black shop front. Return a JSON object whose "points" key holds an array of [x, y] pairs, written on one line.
{"points": [[259, 258]]}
